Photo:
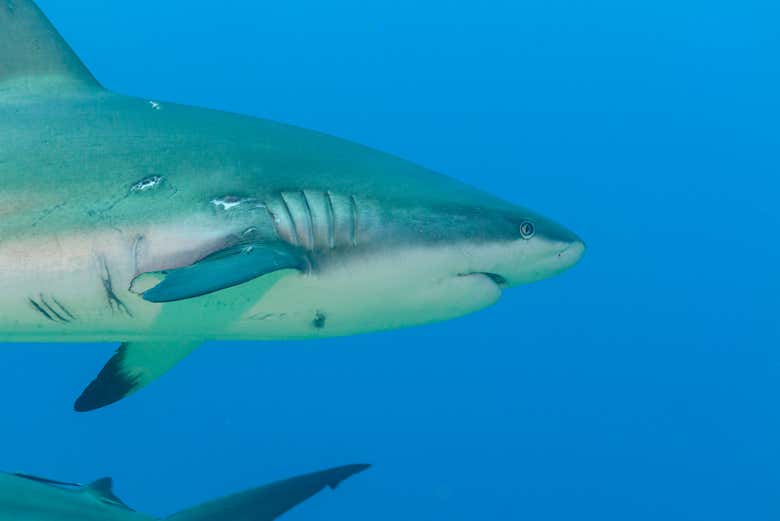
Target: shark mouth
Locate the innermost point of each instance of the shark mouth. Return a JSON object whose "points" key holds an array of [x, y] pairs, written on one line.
{"points": [[497, 279]]}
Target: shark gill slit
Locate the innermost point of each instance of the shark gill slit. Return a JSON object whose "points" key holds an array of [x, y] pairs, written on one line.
{"points": [[354, 207], [331, 220], [309, 219], [294, 231]]}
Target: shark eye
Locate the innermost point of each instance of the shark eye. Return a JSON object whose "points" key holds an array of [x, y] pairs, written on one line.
{"points": [[527, 230]]}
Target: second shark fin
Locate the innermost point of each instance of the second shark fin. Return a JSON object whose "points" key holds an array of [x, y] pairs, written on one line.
{"points": [[271, 501], [103, 490], [134, 365], [220, 270]]}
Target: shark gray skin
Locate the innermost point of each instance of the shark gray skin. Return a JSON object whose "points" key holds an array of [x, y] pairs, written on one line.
{"points": [[30, 498], [162, 226]]}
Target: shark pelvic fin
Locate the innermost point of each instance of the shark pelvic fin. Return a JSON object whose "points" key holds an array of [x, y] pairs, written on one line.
{"points": [[134, 365], [271, 501], [223, 269], [31, 51]]}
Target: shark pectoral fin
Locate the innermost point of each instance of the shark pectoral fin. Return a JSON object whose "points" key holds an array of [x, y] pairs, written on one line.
{"points": [[134, 365], [271, 501], [223, 269]]}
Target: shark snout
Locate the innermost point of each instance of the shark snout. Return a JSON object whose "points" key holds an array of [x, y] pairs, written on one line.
{"points": [[571, 253], [558, 250], [541, 252]]}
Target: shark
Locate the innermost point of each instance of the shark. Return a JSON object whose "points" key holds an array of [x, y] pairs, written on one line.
{"points": [[160, 226], [25, 497]]}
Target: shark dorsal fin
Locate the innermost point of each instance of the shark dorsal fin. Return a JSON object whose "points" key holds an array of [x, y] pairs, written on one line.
{"points": [[103, 490], [33, 53]]}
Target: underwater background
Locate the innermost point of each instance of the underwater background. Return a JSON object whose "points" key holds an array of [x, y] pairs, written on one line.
{"points": [[643, 384]]}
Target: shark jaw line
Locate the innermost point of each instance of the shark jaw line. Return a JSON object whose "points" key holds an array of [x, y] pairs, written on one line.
{"points": [[499, 280]]}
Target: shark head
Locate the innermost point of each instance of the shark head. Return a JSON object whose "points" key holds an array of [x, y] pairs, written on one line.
{"points": [[391, 244], [508, 244], [530, 248]]}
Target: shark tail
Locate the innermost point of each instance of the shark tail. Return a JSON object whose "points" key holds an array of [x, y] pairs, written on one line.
{"points": [[268, 502]]}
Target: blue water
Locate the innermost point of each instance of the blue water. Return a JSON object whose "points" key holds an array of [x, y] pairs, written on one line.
{"points": [[643, 384]]}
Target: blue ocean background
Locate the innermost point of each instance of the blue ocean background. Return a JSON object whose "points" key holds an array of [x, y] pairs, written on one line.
{"points": [[643, 384]]}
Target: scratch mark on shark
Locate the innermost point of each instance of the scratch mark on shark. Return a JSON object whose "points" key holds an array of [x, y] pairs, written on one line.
{"points": [[249, 232], [63, 308], [147, 183], [114, 302], [56, 312], [282, 231], [40, 310], [51, 310], [229, 202], [267, 316], [46, 213]]}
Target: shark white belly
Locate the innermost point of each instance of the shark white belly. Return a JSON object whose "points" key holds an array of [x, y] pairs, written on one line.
{"points": [[84, 295]]}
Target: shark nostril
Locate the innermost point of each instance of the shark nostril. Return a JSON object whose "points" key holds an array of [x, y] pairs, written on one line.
{"points": [[572, 253]]}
